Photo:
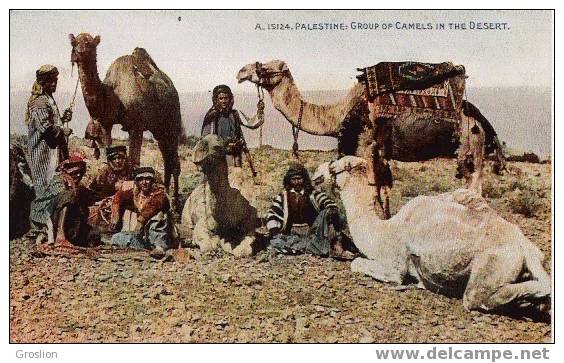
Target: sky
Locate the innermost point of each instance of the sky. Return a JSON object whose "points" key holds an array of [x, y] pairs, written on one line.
{"points": [[200, 49]]}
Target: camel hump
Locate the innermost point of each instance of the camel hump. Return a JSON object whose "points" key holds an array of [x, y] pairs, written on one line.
{"points": [[136, 80]]}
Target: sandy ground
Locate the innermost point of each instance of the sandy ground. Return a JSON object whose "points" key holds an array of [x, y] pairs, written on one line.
{"points": [[129, 297]]}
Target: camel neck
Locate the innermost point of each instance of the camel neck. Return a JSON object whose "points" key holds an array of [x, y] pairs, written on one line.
{"points": [[358, 199], [373, 237], [218, 180], [91, 86], [316, 119]]}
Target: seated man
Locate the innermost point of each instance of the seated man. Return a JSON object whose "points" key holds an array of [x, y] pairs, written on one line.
{"points": [[115, 175], [153, 228], [304, 220], [109, 179], [61, 210]]}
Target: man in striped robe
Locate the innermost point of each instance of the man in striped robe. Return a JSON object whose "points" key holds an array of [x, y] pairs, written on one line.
{"points": [[46, 135], [303, 219]]}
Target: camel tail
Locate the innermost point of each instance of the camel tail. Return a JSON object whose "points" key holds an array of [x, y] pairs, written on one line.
{"points": [[493, 145]]}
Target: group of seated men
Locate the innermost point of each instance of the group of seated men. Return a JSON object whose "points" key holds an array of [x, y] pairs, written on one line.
{"points": [[127, 204], [132, 207]]}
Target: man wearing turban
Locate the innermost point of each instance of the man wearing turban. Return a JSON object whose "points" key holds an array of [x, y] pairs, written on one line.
{"points": [[46, 135], [61, 209], [150, 224], [302, 219], [115, 175], [224, 121]]}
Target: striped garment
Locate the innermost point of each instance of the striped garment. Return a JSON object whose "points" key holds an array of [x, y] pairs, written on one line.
{"points": [[45, 137], [277, 215]]}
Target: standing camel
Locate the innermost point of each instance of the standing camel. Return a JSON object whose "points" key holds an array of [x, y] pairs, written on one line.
{"points": [[135, 94], [406, 137]]}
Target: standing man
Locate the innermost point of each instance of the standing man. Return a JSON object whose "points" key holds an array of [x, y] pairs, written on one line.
{"points": [[46, 136], [224, 121]]}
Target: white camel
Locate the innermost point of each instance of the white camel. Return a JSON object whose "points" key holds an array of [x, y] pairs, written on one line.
{"points": [[217, 215], [453, 243]]}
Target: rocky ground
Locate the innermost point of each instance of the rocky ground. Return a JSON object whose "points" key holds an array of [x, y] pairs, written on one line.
{"points": [[120, 296]]}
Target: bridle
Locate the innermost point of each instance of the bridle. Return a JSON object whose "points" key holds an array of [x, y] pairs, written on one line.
{"points": [[264, 73], [333, 172]]}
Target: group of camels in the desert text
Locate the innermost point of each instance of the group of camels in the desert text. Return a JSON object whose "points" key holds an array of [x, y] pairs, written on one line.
{"points": [[453, 243]]}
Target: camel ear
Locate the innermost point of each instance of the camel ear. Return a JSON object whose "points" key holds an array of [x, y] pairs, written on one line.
{"points": [[97, 39], [283, 67], [72, 39]]}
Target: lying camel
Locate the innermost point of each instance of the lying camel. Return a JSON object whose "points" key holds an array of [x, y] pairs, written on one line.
{"points": [[217, 215], [454, 244]]}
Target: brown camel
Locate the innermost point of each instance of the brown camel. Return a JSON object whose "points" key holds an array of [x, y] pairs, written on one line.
{"points": [[411, 136], [135, 94]]}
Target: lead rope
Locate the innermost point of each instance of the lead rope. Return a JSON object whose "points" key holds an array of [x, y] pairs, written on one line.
{"points": [[296, 131], [260, 111], [467, 118], [66, 123]]}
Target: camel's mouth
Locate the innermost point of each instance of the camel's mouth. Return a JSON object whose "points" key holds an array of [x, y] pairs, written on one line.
{"points": [[243, 77]]}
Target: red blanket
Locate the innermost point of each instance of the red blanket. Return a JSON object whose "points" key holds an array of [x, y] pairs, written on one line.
{"points": [[395, 86]]}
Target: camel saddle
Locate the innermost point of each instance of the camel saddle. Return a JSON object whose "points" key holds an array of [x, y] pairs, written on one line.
{"points": [[399, 87]]}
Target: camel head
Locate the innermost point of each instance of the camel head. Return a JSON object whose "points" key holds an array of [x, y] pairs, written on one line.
{"points": [[83, 47], [208, 153], [267, 74], [339, 172]]}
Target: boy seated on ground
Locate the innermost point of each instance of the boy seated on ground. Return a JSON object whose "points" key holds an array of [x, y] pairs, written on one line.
{"points": [[61, 211], [150, 225], [304, 220]]}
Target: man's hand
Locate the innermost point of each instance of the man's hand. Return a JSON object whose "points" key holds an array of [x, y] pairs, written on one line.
{"points": [[67, 131], [67, 115]]}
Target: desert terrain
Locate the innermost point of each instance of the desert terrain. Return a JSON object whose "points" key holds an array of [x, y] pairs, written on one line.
{"points": [[130, 297]]}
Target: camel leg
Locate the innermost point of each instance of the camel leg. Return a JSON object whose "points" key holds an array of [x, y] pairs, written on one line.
{"points": [[381, 269], [386, 207], [471, 154], [171, 161], [202, 237], [478, 152], [492, 281], [135, 142], [107, 137], [378, 202]]}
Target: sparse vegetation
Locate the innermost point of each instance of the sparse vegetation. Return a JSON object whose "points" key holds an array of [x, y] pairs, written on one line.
{"points": [[216, 298]]}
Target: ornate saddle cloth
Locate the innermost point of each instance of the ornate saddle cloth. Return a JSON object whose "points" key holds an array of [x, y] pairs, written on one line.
{"points": [[397, 87]]}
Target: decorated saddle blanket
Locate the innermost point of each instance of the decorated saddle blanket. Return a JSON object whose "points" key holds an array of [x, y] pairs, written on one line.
{"points": [[397, 86]]}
